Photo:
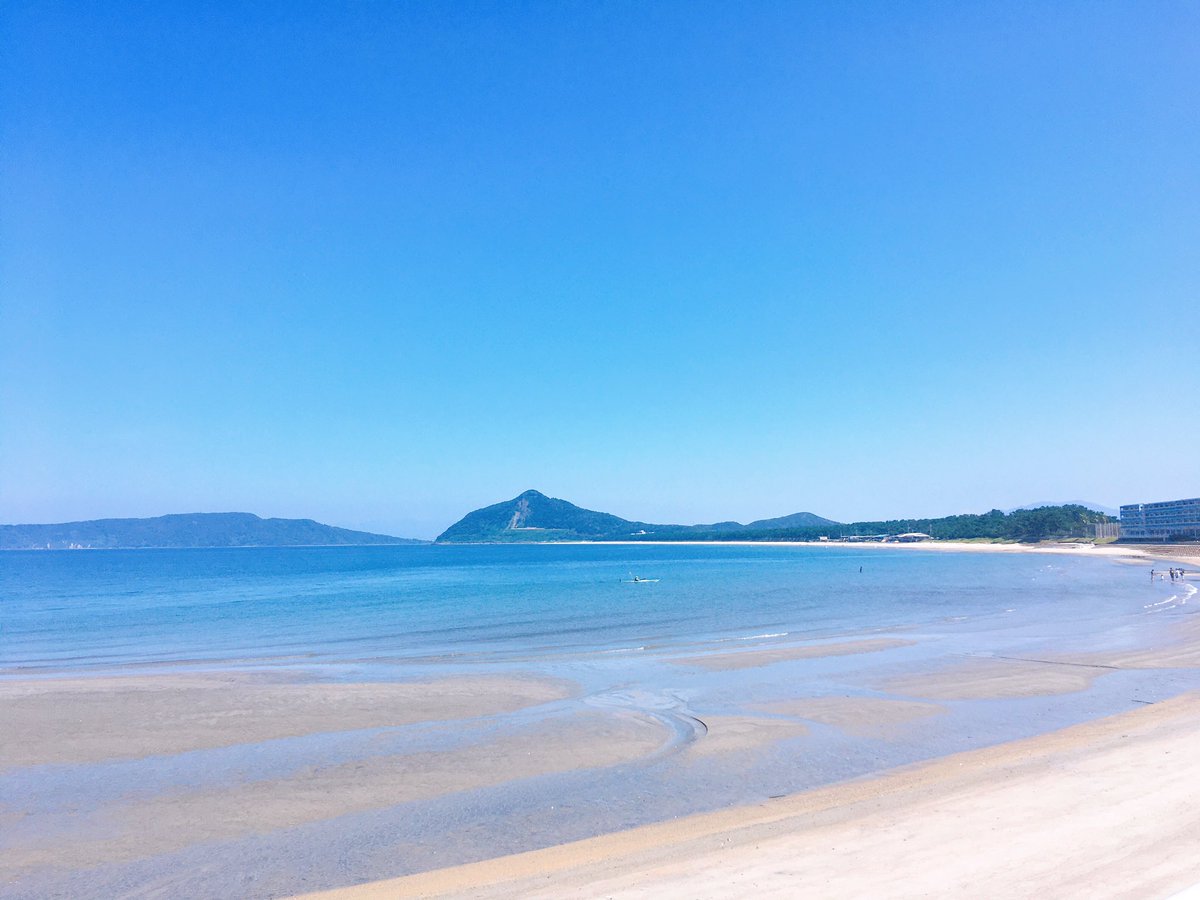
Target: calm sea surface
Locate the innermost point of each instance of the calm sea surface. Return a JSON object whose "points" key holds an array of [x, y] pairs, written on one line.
{"points": [[390, 606]]}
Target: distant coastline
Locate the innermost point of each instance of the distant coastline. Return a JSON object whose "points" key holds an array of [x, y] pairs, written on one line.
{"points": [[200, 531], [533, 517]]}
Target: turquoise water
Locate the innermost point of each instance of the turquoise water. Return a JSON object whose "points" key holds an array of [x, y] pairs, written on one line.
{"points": [[570, 612], [91, 610]]}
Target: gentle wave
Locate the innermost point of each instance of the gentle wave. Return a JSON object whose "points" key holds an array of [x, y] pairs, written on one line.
{"points": [[1174, 600]]}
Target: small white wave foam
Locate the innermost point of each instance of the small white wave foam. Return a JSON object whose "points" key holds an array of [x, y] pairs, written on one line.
{"points": [[1162, 604], [755, 637], [1189, 591], [752, 637]]}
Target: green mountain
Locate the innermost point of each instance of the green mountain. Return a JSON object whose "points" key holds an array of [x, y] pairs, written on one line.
{"points": [[534, 517], [186, 530], [795, 520]]}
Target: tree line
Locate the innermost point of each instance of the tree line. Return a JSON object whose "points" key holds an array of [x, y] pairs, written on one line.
{"points": [[1025, 525]]}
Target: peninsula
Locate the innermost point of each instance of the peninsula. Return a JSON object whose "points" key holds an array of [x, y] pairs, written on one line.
{"points": [[187, 530]]}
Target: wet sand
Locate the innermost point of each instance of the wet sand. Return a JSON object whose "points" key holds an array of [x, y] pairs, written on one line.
{"points": [[996, 679], [163, 823], [738, 734], [218, 757], [1005, 677], [1109, 808]]}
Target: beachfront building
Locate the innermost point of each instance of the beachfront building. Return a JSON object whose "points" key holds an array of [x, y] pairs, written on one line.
{"points": [[910, 537], [1165, 521]]}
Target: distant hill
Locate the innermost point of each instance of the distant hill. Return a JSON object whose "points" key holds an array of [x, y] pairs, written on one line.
{"points": [[534, 517], [186, 530], [795, 520]]}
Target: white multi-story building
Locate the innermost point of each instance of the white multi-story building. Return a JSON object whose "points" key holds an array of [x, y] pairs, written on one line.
{"points": [[1168, 520]]}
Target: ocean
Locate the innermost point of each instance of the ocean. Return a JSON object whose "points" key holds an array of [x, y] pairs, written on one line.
{"points": [[719, 648], [378, 611]]}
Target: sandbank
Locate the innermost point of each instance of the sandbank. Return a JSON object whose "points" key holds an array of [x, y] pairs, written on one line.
{"points": [[747, 659], [871, 717], [71, 720], [994, 679], [1109, 808], [736, 734]]}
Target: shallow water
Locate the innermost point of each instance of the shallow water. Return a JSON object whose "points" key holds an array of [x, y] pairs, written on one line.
{"points": [[566, 612]]}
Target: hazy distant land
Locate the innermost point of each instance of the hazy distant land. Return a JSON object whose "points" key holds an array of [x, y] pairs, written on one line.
{"points": [[187, 530]]}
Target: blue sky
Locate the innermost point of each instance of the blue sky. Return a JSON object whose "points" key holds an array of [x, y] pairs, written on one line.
{"points": [[383, 264]]}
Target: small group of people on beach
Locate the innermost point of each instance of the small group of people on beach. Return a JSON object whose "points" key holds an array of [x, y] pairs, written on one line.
{"points": [[1176, 575]]}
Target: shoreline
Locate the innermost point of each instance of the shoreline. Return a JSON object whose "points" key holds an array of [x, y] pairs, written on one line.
{"points": [[1107, 808]]}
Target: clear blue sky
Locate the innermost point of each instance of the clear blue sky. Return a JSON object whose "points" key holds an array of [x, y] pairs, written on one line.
{"points": [[382, 264]]}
